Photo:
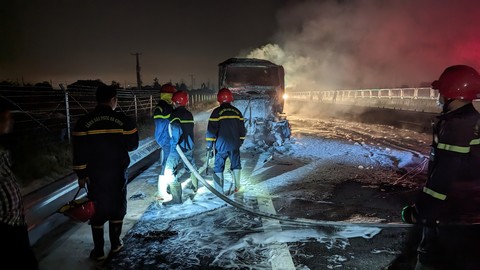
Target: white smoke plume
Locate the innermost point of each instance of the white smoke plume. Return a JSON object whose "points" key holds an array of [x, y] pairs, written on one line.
{"points": [[326, 45]]}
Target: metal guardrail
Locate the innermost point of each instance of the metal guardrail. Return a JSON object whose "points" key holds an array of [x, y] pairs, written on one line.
{"points": [[389, 93], [414, 99], [54, 111]]}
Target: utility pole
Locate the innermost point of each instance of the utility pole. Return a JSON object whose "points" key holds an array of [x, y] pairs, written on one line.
{"points": [[139, 81], [193, 80]]}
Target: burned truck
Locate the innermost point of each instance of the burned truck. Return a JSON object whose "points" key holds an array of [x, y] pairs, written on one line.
{"points": [[258, 88]]}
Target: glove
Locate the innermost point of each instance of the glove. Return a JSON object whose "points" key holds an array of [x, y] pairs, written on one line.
{"points": [[428, 210], [83, 181], [209, 152], [409, 214]]}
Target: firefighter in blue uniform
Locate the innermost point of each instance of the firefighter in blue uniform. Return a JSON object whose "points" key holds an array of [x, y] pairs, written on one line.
{"points": [[161, 117], [449, 204], [181, 131], [225, 135], [101, 142]]}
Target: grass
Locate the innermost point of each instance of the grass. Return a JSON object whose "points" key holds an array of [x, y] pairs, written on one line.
{"points": [[39, 159]]}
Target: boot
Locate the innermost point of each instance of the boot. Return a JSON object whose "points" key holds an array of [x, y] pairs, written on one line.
{"points": [[163, 159], [176, 190], [218, 182], [194, 180], [229, 188], [162, 188], [236, 178], [114, 231], [97, 253]]}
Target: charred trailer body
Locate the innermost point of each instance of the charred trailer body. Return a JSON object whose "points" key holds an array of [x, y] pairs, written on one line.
{"points": [[258, 88]]}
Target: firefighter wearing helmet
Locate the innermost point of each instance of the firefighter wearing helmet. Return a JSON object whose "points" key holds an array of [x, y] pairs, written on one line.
{"points": [[451, 194], [181, 133], [225, 134], [161, 118]]}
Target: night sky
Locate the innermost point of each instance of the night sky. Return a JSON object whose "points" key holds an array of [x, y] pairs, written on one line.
{"points": [[322, 44]]}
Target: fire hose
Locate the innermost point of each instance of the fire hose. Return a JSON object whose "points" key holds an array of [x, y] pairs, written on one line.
{"points": [[286, 219]]}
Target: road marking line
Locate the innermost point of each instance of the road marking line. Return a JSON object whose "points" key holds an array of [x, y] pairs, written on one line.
{"points": [[281, 257]]}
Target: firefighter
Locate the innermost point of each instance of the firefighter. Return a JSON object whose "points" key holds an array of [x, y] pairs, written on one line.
{"points": [[181, 131], [101, 142], [225, 135], [161, 117], [449, 202]]}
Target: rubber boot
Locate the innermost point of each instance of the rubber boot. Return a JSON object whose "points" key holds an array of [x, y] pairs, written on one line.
{"points": [[218, 182], [176, 190], [228, 187], [234, 186], [114, 231], [194, 180], [236, 178], [159, 188], [97, 253], [162, 189], [160, 160]]}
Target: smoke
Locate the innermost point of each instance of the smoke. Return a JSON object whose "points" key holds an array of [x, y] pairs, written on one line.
{"points": [[325, 45]]}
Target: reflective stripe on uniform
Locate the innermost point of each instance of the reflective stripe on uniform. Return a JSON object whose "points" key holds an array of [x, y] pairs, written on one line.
{"points": [[226, 117], [458, 149], [77, 133], [128, 132], [181, 121], [80, 167], [434, 194], [104, 131], [475, 142], [211, 139], [454, 148], [100, 131], [161, 116]]}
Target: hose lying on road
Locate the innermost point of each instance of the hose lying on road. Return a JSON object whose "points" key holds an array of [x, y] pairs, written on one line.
{"points": [[298, 221]]}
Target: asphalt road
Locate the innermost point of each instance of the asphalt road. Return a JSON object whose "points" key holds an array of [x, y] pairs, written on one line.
{"points": [[335, 192], [207, 233]]}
